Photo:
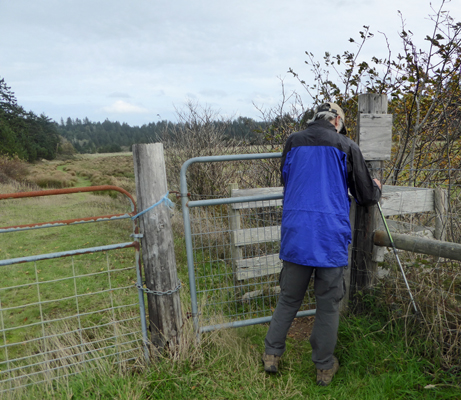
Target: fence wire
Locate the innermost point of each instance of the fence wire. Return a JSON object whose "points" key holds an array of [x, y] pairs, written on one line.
{"points": [[236, 283], [64, 313], [56, 317], [435, 282]]}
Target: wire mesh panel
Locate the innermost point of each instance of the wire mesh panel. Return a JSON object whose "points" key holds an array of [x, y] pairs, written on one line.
{"points": [[232, 256], [59, 313], [237, 270], [62, 312]]}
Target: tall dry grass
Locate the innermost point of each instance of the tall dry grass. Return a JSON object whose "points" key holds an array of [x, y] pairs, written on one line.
{"points": [[83, 170], [12, 169], [77, 367], [71, 356], [436, 287]]}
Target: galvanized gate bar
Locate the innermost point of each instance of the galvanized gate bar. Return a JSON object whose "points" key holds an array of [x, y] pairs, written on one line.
{"points": [[68, 253], [233, 200], [253, 321], [187, 204], [186, 217]]}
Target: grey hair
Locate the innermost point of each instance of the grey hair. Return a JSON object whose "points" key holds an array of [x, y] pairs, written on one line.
{"points": [[326, 115], [329, 116]]}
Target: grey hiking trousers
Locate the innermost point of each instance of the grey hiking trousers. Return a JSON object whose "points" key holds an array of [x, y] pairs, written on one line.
{"points": [[329, 289]]}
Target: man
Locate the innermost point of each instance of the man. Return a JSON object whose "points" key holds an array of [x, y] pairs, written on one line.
{"points": [[319, 165]]}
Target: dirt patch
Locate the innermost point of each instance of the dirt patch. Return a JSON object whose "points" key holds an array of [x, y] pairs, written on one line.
{"points": [[301, 328]]}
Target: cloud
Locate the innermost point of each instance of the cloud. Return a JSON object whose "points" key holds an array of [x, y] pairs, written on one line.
{"points": [[120, 95], [143, 58], [213, 93], [122, 107]]}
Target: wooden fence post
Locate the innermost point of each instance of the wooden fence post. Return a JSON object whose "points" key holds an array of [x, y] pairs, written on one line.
{"points": [[374, 127], [234, 225], [441, 210], [343, 307], [157, 246]]}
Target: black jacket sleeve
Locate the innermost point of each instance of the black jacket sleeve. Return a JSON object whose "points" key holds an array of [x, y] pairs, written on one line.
{"points": [[286, 149], [361, 185]]}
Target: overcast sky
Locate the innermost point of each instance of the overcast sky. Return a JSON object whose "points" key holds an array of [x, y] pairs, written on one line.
{"points": [[134, 61]]}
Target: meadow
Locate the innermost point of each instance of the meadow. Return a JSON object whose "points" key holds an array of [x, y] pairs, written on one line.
{"points": [[381, 352]]}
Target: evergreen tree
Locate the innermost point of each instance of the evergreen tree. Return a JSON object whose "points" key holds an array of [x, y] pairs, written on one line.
{"points": [[23, 133]]}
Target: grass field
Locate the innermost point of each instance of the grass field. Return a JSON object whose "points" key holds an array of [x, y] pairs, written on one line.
{"points": [[85, 170], [381, 356], [88, 294], [376, 363]]}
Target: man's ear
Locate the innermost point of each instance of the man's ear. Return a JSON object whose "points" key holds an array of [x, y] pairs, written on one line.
{"points": [[343, 130], [337, 123]]}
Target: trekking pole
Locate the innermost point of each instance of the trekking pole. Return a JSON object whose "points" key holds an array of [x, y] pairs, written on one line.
{"points": [[397, 257]]}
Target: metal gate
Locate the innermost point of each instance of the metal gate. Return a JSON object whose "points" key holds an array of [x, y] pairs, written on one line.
{"points": [[226, 291], [57, 321]]}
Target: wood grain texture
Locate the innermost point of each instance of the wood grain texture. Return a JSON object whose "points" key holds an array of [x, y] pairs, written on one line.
{"points": [[157, 245], [258, 266], [375, 133], [257, 192], [372, 126], [441, 207], [399, 200], [247, 268], [421, 245], [234, 222], [257, 235]]}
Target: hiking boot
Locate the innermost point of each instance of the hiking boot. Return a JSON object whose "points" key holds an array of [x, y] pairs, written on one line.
{"points": [[324, 376], [271, 362]]}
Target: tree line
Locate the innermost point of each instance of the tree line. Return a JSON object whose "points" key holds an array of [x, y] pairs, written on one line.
{"points": [[422, 84], [110, 137], [31, 137], [23, 133]]}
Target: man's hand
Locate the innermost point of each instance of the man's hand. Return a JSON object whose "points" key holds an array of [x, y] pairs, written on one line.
{"points": [[378, 183]]}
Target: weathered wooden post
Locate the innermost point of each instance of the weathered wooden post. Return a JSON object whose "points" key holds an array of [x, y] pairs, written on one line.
{"points": [[344, 305], [441, 210], [374, 136], [234, 222], [236, 251], [157, 246]]}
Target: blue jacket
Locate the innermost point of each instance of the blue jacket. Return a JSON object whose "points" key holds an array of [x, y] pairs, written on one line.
{"points": [[318, 167]]}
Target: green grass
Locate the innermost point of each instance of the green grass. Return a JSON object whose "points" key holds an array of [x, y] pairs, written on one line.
{"points": [[102, 279], [217, 295], [381, 357], [375, 363], [81, 181]]}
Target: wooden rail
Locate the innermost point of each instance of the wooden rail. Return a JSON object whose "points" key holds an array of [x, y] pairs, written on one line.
{"points": [[253, 267], [421, 245]]}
